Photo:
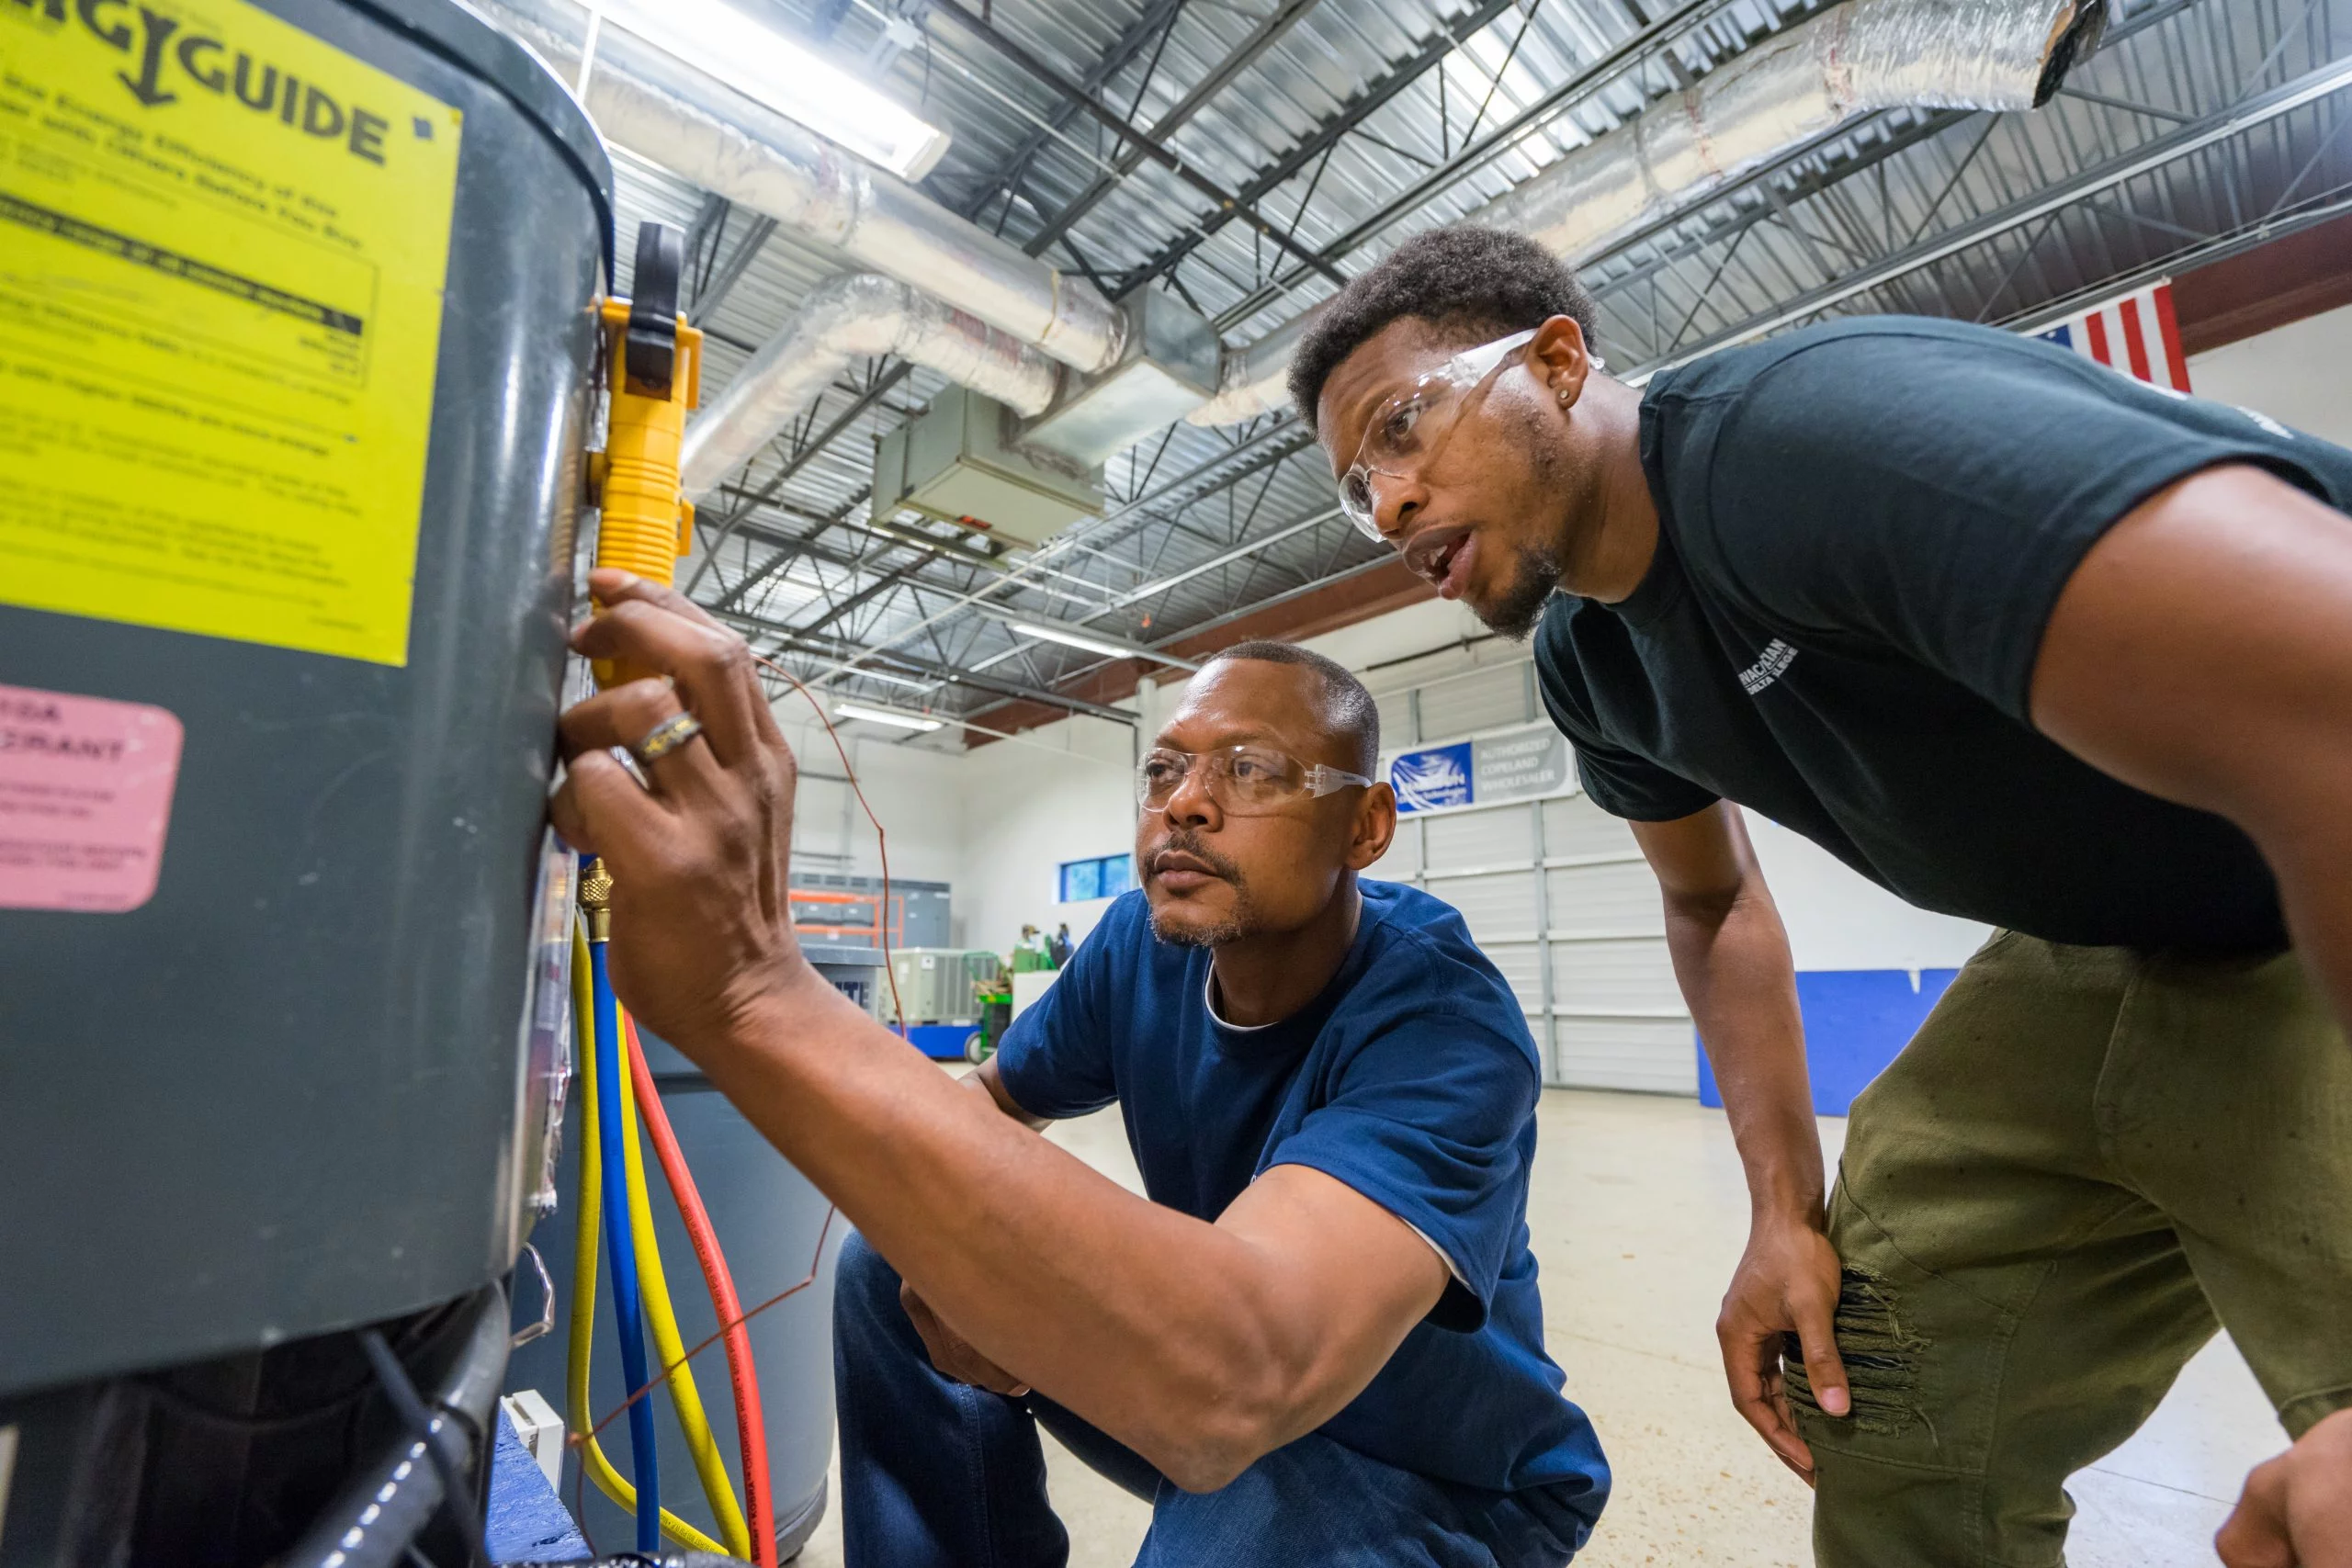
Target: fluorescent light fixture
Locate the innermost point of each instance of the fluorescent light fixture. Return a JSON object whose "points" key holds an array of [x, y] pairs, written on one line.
{"points": [[867, 673], [885, 715], [800, 83], [1092, 644]]}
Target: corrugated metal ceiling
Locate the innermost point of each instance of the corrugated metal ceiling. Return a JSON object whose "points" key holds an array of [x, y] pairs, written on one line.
{"points": [[1344, 125]]}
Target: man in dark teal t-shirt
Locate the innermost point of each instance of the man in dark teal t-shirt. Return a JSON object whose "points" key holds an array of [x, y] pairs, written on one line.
{"points": [[2023, 640]]}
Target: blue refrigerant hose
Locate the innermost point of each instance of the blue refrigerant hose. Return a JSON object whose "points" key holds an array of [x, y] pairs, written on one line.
{"points": [[620, 1246]]}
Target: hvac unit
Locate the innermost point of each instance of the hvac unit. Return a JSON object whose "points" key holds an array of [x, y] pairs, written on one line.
{"points": [[958, 461], [941, 985]]}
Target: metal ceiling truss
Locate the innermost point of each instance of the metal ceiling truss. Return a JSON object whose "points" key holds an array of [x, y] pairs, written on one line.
{"points": [[1145, 144], [1962, 250], [1644, 51], [770, 637]]}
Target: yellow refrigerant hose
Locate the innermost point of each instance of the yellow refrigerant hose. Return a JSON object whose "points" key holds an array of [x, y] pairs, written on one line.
{"points": [[580, 1414], [717, 1488]]}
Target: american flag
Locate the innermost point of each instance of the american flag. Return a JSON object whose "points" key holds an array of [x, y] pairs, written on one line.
{"points": [[2134, 333]]}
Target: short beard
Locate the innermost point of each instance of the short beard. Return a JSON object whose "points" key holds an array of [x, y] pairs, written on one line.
{"points": [[1233, 928], [1241, 922], [1530, 588], [1515, 614]]}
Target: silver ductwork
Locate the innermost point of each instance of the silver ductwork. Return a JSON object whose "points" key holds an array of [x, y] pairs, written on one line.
{"points": [[673, 114], [1253, 378], [845, 319], [1864, 55]]}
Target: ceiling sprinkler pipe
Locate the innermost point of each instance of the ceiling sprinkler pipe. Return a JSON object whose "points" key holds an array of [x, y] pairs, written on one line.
{"points": [[1863, 56], [845, 319], [705, 132]]}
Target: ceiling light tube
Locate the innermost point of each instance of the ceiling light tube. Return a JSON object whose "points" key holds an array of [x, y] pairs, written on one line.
{"points": [[885, 715], [773, 69], [1092, 644], [867, 673]]}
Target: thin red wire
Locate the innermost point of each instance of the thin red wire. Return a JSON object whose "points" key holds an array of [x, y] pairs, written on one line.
{"points": [[897, 1006], [881, 839], [742, 1370], [663, 1376]]}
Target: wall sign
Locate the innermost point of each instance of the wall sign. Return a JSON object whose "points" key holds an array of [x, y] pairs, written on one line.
{"points": [[1520, 766], [1516, 767], [1431, 777]]}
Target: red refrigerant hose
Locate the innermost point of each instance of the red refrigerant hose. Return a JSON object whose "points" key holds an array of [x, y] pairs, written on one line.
{"points": [[750, 1423]]}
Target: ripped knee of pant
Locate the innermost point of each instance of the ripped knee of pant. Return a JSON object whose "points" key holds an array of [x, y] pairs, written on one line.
{"points": [[1881, 1355]]}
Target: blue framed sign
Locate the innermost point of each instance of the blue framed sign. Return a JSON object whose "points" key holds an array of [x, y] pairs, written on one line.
{"points": [[1432, 776], [1520, 766]]}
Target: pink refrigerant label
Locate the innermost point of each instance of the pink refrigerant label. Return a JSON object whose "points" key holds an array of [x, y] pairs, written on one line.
{"points": [[85, 794]]}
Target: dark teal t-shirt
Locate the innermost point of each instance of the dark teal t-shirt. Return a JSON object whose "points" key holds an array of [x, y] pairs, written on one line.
{"points": [[1863, 530], [1413, 1080]]}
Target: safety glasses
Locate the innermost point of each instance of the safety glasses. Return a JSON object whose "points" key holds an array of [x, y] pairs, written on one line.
{"points": [[1411, 426], [1242, 780], [1410, 430]]}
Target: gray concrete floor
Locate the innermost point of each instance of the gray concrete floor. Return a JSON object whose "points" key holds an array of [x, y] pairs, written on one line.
{"points": [[1639, 1213]]}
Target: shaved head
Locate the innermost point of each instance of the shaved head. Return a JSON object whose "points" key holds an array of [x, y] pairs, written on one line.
{"points": [[1350, 718]]}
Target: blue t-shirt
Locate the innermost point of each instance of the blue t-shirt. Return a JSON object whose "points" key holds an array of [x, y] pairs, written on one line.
{"points": [[1413, 1080]]}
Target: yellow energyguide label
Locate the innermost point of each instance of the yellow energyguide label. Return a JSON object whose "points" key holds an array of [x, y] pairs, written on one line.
{"points": [[221, 251]]}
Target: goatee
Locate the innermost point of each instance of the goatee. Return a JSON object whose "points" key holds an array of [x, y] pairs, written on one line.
{"points": [[1515, 614]]}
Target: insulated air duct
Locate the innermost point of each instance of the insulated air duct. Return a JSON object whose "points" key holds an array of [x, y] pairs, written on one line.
{"points": [[706, 133], [1862, 56], [843, 320]]}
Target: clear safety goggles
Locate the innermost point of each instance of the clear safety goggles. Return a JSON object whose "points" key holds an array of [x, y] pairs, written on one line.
{"points": [[1411, 427], [1240, 779]]}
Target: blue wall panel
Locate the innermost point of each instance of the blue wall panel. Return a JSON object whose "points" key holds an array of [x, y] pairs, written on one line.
{"points": [[1855, 1020]]}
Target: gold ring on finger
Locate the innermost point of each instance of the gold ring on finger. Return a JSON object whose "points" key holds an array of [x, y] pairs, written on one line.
{"points": [[666, 737]]}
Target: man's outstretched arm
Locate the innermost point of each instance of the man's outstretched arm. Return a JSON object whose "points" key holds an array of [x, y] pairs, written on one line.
{"points": [[1731, 957], [950, 1352], [2203, 650], [1199, 1346]]}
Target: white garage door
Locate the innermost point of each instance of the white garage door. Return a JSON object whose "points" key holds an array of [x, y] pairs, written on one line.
{"points": [[1555, 891]]}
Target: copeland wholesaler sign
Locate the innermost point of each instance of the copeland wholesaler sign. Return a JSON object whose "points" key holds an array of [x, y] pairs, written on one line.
{"points": [[1520, 765]]}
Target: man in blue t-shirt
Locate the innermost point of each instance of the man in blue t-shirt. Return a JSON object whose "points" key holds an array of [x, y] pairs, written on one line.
{"points": [[1290, 1048], [1319, 1341]]}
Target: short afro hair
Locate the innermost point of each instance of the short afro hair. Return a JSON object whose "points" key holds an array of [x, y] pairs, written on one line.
{"points": [[1480, 283], [1350, 715]]}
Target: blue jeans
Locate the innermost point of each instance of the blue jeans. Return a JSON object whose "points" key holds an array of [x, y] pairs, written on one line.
{"points": [[940, 1474]]}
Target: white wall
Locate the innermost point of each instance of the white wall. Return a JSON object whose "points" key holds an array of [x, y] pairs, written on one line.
{"points": [[912, 790], [1429, 625], [1021, 810], [2296, 374], [1837, 918]]}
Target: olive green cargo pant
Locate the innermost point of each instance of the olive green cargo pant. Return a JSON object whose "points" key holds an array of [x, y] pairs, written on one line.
{"points": [[2087, 1159]]}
